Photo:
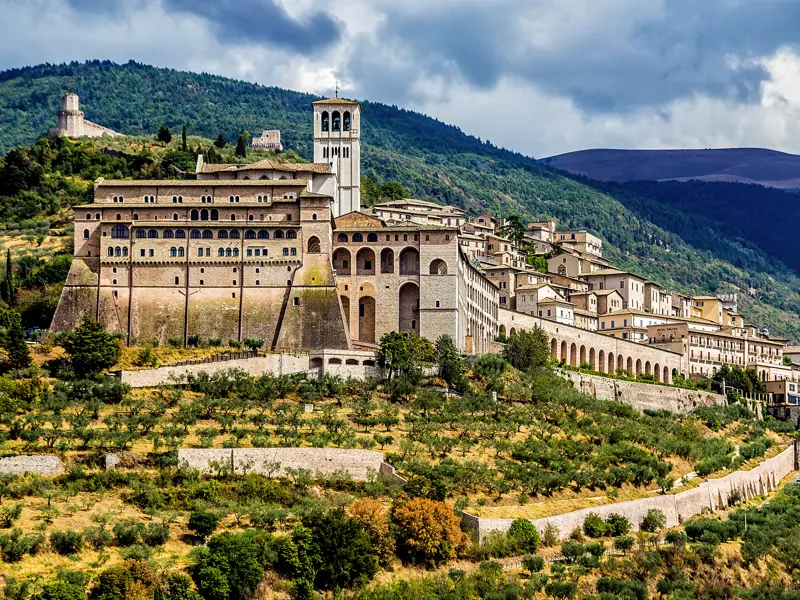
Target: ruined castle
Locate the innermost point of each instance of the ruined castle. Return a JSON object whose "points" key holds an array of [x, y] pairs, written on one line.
{"points": [[71, 122]]}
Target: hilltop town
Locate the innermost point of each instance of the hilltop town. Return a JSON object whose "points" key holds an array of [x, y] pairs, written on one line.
{"points": [[285, 253]]}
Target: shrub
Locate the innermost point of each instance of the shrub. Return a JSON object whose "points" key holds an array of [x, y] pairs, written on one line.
{"points": [[655, 520], [550, 535], [214, 342], [9, 514], [137, 552], [234, 344], [146, 357], [253, 344], [428, 531], [128, 533], [532, 564], [66, 542], [203, 523], [594, 526], [709, 530], [155, 534], [15, 546], [524, 535], [175, 342], [617, 525], [97, 537], [572, 550], [60, 590], [193, 340], [635, 590], [561, 590]]}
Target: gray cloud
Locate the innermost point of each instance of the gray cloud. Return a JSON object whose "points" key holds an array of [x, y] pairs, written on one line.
{"points": [[613, 60], [235, 22]]}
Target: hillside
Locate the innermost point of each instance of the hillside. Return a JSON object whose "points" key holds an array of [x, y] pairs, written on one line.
{"points": [[688, 252], [735, 165]]}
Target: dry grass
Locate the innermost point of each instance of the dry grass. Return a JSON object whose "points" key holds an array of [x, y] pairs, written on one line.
{"points": [[166, 356]]}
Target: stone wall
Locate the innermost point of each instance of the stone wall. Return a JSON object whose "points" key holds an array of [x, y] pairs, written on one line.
{"points": [[357, 463], [41, 464], [642, 396], [712, 494], [275, 364]]}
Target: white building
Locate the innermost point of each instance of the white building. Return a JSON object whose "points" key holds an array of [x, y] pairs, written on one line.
{"points": [[337, 142]]}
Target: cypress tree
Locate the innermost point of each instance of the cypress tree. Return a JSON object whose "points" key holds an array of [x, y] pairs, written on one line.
{"points": [[7, 285], [184, 147], [241, 147]]}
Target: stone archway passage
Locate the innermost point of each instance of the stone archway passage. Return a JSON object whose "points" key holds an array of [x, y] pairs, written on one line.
{"points": [[366, 319], [409, 308]]}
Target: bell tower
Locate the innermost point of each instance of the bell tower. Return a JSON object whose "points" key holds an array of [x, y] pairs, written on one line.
{"points": [[337, 141]]}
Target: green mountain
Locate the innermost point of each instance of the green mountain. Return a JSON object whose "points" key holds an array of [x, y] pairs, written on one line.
{"points": [[681, 250]]}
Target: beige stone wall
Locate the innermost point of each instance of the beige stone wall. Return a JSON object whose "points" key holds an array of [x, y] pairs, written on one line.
{"points": [[40, 464], [642, 396], [712, 494]]}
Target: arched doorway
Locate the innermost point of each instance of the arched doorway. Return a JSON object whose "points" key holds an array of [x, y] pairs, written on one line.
{"points": [[554, 348], [409, 262], [314, 245], [573, 355], [341, 262], [638, 367], [666, 375], [438, 267], [563, 356], [366, 319], [629, 366], [620, 363], [387, 260], [611, 364], [365, 262], [409, 308], [601, 361], [591, 359], [657, 371], [582, 360], [647, 368], [502, 330]]}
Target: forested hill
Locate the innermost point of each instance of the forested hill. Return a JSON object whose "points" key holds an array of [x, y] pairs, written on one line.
{"points": [[689, 252]]}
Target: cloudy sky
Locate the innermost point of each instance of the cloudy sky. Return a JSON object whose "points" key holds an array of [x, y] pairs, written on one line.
{"points": [[538, 76]]}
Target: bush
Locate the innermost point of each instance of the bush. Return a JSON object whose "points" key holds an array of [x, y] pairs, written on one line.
{"points": [[15, 546], [253, 344], [623, 543], [234, 344], [635, 590], [203, 523], [155, 534], [175, 342], [594, 526], [60, 590], [709, 530], [655, 520], [532, 564], [524, 535], [617, 525], [128, 533], [214, 342], [550, 535], [193, 340], [428, 531], [571, 550], [9, 514], [66, 542], [561, 590]]}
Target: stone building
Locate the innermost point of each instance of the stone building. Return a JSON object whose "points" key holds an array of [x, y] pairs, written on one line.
{"points": [[337, 143], [270, 139], [71, 122], [411, 277], [229, 259]]}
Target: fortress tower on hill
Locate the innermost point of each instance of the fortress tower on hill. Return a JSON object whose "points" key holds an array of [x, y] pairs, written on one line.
{"points": [[71, 122]]}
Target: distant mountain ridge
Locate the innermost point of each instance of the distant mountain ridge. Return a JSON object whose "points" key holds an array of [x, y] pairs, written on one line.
{"points": [[643, 229], [761, 166]]}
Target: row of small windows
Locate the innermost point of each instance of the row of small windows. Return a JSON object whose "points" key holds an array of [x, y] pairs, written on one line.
{"points": [[118, 251], [250, 234], [335, 121], [149, 199], [179, 252], [373, 237], [117, 199], [177, 199], [334, 152], [206, 199]]}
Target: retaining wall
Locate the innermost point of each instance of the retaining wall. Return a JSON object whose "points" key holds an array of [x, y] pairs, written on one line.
{"points": [[357, 463], [712, 494], [41, 464], [642, 395]]}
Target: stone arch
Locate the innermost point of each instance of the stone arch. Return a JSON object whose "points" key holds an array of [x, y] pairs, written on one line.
{"points": [[666, 375], [409, 261], [657, 371], [438, 267], [611, 363], [582, 355], [365, 262], [315, 362], [346, 121], [592, 359], [502, 329], [341, 238], [387, 260], [372, 237], [334, 361], [513, 331], [409, 308], [601, 361], [629, 365], [563, 354], [554, 348], [351, 361], [620, 363], [366, 319], [325, 121], [313, 245], [357, 237], [638, 367], [341, 262], [573, 355], [336, 121], [648, 368]]}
